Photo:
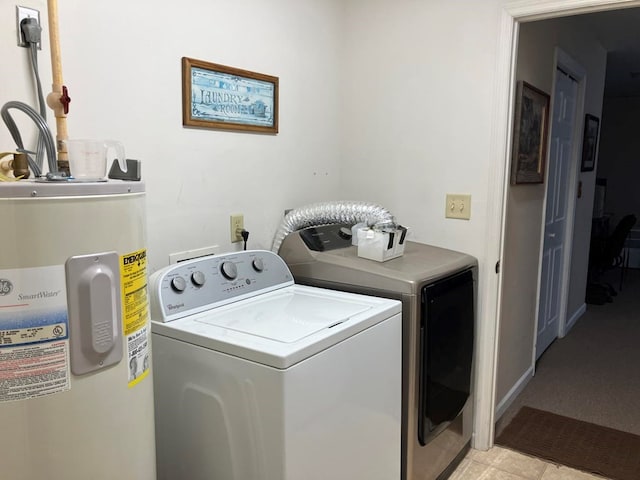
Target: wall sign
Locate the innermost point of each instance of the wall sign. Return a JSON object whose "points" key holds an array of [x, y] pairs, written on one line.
{"points": [[221, 97]]}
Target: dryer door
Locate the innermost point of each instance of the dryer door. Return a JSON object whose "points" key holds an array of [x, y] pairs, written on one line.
{"points": [[446, 347]]}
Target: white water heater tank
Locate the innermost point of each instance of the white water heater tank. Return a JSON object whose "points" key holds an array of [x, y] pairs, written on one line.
{"points": [[76, 393]]}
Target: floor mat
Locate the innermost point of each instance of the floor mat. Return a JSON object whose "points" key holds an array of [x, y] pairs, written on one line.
{"points": [[574, 443]]}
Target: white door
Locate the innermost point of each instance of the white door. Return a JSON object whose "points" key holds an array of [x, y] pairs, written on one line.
{"points": [[559, 167]]}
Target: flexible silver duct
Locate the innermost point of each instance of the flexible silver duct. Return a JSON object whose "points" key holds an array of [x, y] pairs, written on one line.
{"points": [[326, 213]]}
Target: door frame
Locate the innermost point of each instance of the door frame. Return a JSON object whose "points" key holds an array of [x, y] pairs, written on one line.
{"points": [[513, 13], [565, 62]]}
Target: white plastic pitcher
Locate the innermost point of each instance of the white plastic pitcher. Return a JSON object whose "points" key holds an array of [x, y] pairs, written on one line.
{"points": [[88, 158]]}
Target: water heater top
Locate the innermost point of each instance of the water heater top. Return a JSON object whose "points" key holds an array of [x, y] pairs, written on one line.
{"points": [[45, 189]]}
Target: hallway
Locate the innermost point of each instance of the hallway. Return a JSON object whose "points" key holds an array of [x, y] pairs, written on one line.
{"points": [[591, 374]]}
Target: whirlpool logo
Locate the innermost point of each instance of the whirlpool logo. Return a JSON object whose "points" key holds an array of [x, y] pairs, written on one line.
{"points": [[6, 287]]}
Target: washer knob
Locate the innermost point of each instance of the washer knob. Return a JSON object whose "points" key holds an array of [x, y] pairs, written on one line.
{"points": [[229, 270], [345, 233], [258, 264], [198, 278], [178, 284]]}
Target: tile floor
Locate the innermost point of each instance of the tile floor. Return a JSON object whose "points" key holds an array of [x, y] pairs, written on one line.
{"points": [[503, 464]]}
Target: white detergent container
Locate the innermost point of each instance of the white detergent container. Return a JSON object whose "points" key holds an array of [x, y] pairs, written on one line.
{"points": [[76, 393]]}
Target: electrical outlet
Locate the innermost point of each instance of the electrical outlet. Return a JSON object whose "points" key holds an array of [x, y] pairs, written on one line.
{"points": [[458, 206], [21, 14], [237, 224]]}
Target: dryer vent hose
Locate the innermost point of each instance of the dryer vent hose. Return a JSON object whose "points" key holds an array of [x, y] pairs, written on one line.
{"points": [[327, 213]]}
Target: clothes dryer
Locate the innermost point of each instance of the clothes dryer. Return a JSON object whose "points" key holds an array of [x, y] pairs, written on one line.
{"points": [[437, 289], [259, 378]]}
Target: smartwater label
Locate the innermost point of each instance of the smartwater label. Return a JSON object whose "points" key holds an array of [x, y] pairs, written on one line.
{"points": [[34, 333]]}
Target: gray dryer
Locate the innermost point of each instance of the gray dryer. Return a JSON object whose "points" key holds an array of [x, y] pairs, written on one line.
{"points": [[437, 288]]}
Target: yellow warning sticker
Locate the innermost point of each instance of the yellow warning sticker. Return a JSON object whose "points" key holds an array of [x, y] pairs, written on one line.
{"points": [[135, 313]]}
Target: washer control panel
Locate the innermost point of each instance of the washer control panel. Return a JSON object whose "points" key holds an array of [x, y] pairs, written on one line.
{"points": [[203, 283]]}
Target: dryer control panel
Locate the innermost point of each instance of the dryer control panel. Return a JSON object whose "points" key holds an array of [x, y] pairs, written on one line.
{"points": [[203, 283], [327, 237]]}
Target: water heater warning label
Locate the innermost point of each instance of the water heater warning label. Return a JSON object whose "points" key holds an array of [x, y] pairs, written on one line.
{"points": [[34, 333], [33, 371], [135, 301]]}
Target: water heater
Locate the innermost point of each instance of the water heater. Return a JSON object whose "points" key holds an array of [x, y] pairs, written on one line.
{"points": [[76, 393]]}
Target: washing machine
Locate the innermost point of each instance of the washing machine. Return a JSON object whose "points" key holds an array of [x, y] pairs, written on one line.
{"points": [[256, 377], [437, 288]]}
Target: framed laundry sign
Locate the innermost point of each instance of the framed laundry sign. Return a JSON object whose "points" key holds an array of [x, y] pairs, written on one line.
{"points": [[221, 97], [530, 129]]}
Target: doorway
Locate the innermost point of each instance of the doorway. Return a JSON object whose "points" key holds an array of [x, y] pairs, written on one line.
{"points": [[511, 21]]}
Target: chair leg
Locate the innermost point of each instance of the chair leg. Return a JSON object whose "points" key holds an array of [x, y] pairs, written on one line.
{"points": [[624, 265]]}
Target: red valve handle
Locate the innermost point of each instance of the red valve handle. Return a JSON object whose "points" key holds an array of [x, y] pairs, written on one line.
{"points": [[65, 99]]}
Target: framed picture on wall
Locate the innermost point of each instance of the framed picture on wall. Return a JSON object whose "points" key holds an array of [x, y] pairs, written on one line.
{"points": [[589, 142], [227, 98], [531, 127]]}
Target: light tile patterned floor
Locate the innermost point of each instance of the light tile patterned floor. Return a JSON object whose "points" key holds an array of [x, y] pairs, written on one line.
{"points": [[503, 464]]}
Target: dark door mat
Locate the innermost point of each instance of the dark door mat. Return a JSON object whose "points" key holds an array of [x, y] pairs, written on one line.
{"points": [[574, 443]]}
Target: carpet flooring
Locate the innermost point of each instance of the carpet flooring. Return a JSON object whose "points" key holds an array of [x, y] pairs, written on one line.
{"points": [[592, 374]]}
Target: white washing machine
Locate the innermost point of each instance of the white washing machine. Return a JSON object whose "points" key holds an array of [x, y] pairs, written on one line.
{"points": [[257, 378]]}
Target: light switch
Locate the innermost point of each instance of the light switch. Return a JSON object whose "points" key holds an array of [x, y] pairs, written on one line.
{"points": [[458, 206]]}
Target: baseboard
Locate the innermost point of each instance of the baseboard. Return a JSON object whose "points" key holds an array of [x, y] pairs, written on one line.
{"points": [[574, 318], [513, 393]]}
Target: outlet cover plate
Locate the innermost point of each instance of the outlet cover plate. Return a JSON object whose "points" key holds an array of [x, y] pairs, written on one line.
{"points": [[236, 226], [21, 14]]}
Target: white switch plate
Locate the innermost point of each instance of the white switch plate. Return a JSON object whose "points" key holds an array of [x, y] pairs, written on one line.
{"points": [[458, 206]]}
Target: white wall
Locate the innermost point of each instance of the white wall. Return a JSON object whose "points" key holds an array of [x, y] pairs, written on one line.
{"points": [[419, 81], [121, 62]]}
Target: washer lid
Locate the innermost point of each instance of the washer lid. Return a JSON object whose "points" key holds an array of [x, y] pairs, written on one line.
{"points": [[286, 316], [282, 327]]}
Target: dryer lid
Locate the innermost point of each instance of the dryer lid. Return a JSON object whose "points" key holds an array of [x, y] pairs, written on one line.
{"points": [[287, 316]]}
